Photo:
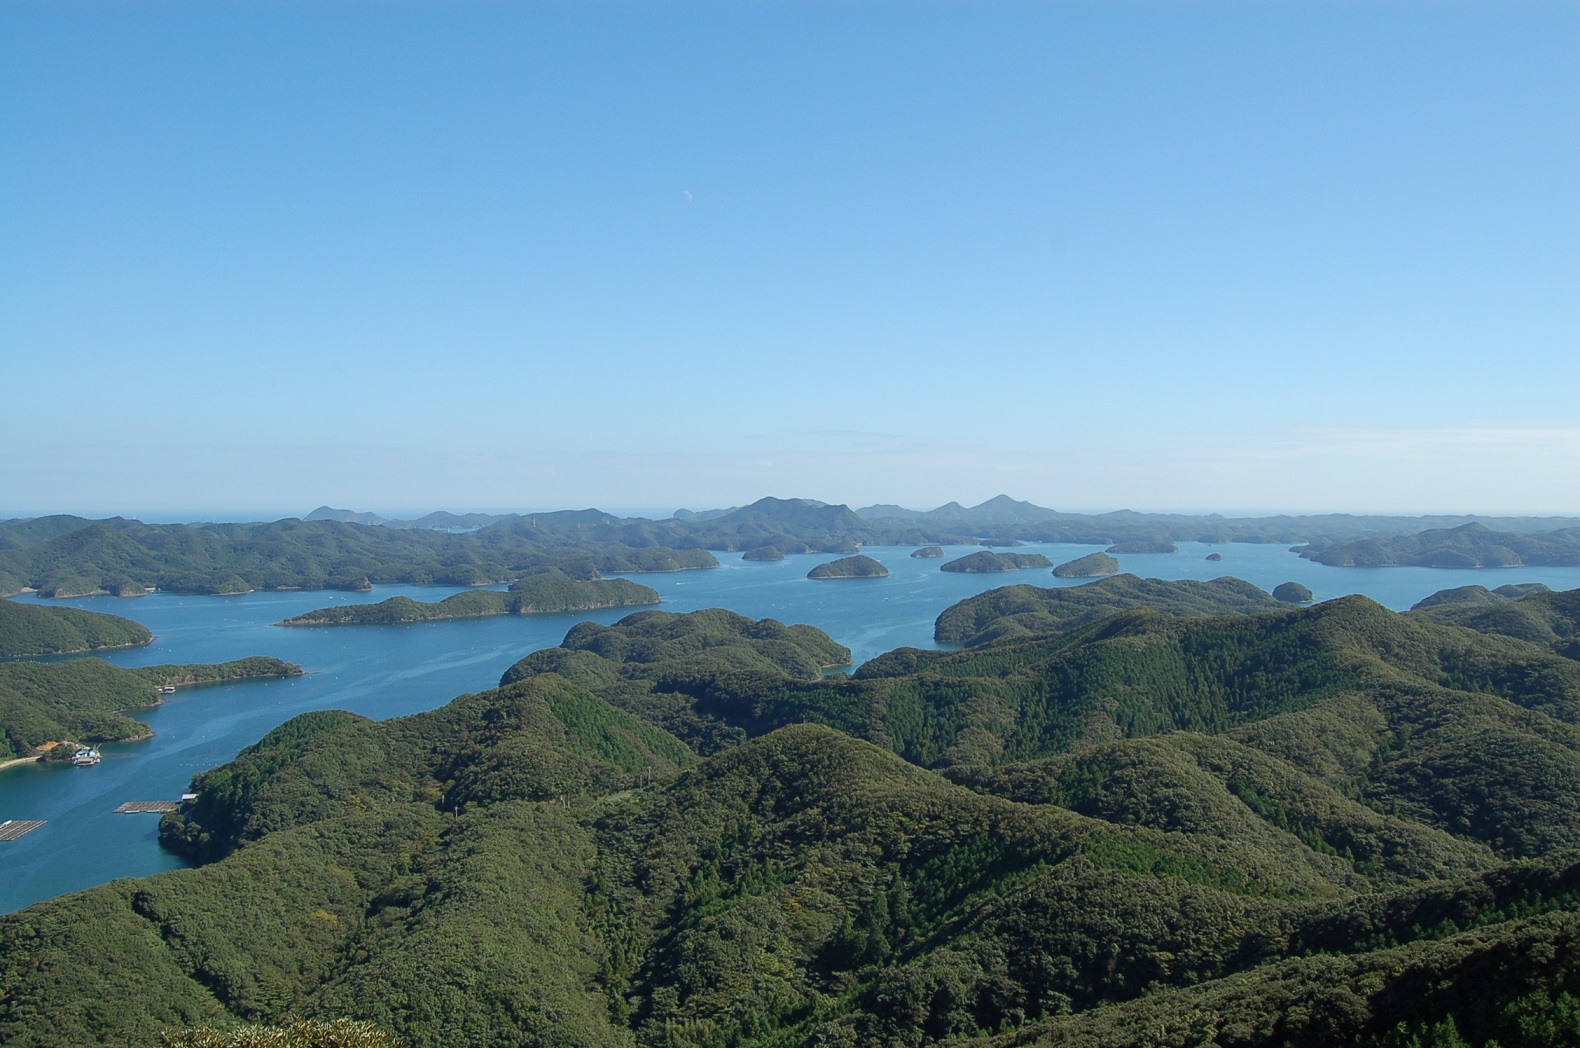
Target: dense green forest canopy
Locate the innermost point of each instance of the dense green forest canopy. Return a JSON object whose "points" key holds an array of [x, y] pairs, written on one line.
{"points": [[1529, 612], [30, 629], [66, 556], [648, 663], [83, 700], [1029, 610], [1319, 826]]}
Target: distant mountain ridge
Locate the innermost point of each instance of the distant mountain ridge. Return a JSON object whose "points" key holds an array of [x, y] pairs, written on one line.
{"points": [[439, 520], [1470, 545], [72, 556]]}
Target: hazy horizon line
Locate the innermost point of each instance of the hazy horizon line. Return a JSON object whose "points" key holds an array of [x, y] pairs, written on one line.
{"points": [[259, 515]]}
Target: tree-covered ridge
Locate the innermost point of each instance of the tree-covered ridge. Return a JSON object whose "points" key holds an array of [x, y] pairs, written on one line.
{"points": [[989, 561], [128, 557], [1028, 610], [298, 1033], [1223, 787], [650, 663], [539, 594], [805, 888], [1370, 700], [1509, 983], [832, 886], [1530, 612], [653, 644], [82, 700], [857, 567], [539, 739], [29, 629], [1472, 545], [1383, 705]]}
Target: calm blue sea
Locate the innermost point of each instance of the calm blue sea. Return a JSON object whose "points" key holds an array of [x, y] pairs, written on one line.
{"points": [[390, 671]]}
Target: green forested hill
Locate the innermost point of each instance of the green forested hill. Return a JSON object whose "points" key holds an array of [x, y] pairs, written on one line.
{"points": [[1330, 825], [1093, 565], [28, 629], [1389, 697], [83, 700], [858, 567], [1020, 611], [649, 664], [989, 561], [1532, 613]]}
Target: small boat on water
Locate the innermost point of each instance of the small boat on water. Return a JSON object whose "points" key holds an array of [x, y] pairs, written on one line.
{"points": [[167, 689], [85, 757]]}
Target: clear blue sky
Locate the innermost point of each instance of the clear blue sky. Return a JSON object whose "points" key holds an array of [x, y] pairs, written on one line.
{"points": [[255, 257]]}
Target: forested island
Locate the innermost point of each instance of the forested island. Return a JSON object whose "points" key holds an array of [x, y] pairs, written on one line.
{"points": [[1235, 827], [29, 629], [857, 567], [988, 561], [83, 700], [1292, 593], [763, 554], [1091, 566], [540, 594], [1147, 545], [928, 552], [62, 556]]}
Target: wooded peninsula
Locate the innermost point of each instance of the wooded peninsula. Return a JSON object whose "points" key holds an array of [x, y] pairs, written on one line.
{"points": [[84, 700], [1127, 812], [545, 593]]}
